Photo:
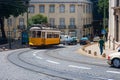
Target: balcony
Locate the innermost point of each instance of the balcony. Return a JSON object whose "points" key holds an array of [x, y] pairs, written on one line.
{"points": [[21, 27], [62, 26], [72, 27], [52, 26], [87, 25]]}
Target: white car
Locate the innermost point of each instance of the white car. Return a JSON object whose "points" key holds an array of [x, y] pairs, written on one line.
{"points": [[114, 59], [96, 38]]}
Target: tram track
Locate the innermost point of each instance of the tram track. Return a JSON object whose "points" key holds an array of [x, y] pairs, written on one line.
{"points": [[70, 59], [13, 56], [52, 53]]}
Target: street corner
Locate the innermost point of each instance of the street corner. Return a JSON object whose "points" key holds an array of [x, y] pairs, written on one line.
{"points": [[88, 50], [3, 49]]}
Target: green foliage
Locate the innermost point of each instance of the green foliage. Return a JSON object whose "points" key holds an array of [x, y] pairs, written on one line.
{"points": [[103, 4], [37, 19], [12, 7]]}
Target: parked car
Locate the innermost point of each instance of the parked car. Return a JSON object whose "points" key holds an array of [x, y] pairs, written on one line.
{"points": [[84, 41], [96, 38], [75, 40], [66, 39], [114, 59]]}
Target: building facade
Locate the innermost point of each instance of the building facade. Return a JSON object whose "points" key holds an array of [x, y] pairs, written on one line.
{"points": [[72, 17], [114, 20]]}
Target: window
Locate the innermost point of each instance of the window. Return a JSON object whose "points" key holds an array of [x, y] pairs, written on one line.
{"points": [[83, 20], [56, 35], [33, 34], [72, 21], [52, 8], [87, 8], [9, 21], [31, 9], [84, 8], [62, 8], [42, 8], [49, 34], [117, 3], [38, 33], [62, 21], [21, 21], [52, 21], [72, 8]]}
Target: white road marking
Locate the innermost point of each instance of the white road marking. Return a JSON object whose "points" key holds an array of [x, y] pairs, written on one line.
{"points": [[102, 78], [39, 57], [79, 67], [115, 72], [34, 54], [52, 62]]}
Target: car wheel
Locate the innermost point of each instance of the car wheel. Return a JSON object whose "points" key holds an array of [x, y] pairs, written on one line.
{"points": [[116, 63]]}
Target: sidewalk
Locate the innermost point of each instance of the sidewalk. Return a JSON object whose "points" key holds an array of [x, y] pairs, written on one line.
{"points": [[14, 45], [93, 50]]}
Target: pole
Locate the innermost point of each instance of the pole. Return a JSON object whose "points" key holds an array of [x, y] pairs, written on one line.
{"points": [[27, 12], [9, 40], [104, 16], [104, 20]]}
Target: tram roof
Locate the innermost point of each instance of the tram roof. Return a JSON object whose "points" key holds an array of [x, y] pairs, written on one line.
{"points": [[42, 27], [35, 28], [45, 30]]}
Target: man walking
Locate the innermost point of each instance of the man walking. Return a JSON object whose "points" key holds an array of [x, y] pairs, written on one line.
{"points": [[101, 45]]}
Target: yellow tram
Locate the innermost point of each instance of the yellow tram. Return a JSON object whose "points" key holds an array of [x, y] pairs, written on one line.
{"points": [[42, 36]]}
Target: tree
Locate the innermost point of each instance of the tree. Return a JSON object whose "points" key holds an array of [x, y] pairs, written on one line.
{"points": [[11, 7], [37, 19], [103, 6]]}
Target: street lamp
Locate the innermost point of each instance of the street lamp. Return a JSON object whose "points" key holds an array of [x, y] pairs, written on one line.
{"points": [[27, 4], [104, 20], [104, 16]]}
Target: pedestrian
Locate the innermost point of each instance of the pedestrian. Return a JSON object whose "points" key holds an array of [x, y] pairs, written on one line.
{"points": [[118, 47], [101, 45]]}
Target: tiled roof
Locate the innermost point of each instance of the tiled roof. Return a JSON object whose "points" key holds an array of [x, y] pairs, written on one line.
{"points": [[55, 1]]}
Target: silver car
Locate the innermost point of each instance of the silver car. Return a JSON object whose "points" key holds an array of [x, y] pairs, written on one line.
{"points": [[114, 59]]}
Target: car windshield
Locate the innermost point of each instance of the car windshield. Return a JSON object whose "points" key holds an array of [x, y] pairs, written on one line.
{"points": [[84, 38]]}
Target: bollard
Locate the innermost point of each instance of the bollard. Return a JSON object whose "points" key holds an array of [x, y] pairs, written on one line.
{"points": [[83, 49], [95, 53], [104, 55], [0, 49], [89, 51], [3, 48]]}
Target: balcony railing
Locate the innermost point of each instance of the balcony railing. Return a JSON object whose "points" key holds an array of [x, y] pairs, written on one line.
{"points": [[72, 26], [52, 26], [87, 25], [62, 26], [21, 27]]}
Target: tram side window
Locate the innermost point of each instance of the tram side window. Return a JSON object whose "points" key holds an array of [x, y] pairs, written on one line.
{"points": [[49, 35], [38, 33], [56, 35], [33, 33], [52, 35]]}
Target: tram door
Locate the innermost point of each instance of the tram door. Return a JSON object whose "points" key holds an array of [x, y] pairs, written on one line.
{"points": [[43, 38]]}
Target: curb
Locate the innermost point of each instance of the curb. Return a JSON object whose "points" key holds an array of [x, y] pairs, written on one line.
{"points": [[89, 53]]}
